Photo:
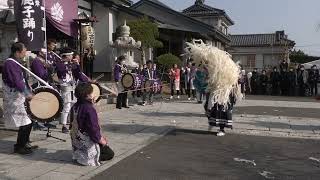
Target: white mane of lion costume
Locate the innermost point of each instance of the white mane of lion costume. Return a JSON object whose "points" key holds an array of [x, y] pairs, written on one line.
{"points": [[223, 72]]}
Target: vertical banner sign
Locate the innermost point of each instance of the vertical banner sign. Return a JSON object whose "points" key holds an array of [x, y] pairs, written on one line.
{"points": [[30, 21], [61, 14]]}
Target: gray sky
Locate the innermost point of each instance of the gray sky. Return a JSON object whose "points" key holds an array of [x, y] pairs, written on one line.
{"points": [[299, 18]]}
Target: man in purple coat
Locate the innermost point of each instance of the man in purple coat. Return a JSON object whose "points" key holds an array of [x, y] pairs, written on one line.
{"points": [[52, 58], [119, 70], [68, 73], [40, 68], [151, 75], [15, 92]]}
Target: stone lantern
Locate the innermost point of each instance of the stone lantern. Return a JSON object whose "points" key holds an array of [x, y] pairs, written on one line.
{"points": [[126, 45]]}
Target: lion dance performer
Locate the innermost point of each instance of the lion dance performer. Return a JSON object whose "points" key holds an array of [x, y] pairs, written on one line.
{"points": [[223, 88]]}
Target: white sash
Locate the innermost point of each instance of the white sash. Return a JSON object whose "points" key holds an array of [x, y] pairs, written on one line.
{"points": [[26, 69]]}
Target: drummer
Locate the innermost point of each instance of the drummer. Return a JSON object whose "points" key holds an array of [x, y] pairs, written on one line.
{"points": [[151, 75], [119, 71], [15, 92], [68, 74], [40, 68]]}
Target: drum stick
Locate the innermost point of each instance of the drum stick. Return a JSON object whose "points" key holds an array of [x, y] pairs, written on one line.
{"points": [[99, 77], [108, 89], [130, 90]]}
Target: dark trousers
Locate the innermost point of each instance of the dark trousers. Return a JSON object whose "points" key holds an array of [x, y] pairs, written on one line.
{"points": [[263, 90], [243, 88], [136, 93], [302, 89], [221, 127], [122, 100], [182, 88], [106, 153], [193, 92], [172, 89], [275, 89], [314, 88], [254, 89], [150, 96], [23, 135], [88, 68], [292, 90], [189, 90], [284, 90], [207, 102]]}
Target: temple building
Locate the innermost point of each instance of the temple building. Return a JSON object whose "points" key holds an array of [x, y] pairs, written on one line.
{"points": [[214, 17], [176, 27]]}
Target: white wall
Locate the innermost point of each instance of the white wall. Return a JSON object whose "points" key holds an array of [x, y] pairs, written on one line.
{"points": [[256, 50], [266, 57], [8, 35], [104, 28], [259, 61]]}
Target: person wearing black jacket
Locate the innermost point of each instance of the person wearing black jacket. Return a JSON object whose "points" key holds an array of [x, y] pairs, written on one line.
{"points": [[284, 67], [263, 82], [292, 80], [275, 81], [313, 80], [302, 79], [88, 62], [254, 82], [284, 83]]}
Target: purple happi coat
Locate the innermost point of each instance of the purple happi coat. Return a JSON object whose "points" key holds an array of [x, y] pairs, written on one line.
{"points": [[64, 68], [39, 69], [150, 74], [117, 73], [52, 58], [87, 119], [15, 90], [13, 76], [85, 134]]}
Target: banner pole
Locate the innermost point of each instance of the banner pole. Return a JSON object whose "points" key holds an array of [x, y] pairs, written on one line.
{"points": [[45, 29]]}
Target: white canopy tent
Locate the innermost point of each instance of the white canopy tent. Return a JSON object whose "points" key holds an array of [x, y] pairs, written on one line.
{"points": [[310, 64]]}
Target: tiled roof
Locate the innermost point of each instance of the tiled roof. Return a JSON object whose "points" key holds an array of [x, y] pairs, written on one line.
{"points": [[180, 21], [201, 9], [160, 3], [253, 40]]}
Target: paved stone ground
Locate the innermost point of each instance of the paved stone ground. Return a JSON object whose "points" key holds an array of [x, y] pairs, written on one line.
{"points": [[189, 155], [132, 129]]}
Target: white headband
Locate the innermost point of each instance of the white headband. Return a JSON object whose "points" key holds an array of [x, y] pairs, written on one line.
{"points": [[67, 54]]}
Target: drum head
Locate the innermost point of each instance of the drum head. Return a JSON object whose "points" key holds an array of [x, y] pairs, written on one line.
{"points": [[96, 92], [127, 81], [46, 105]]}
